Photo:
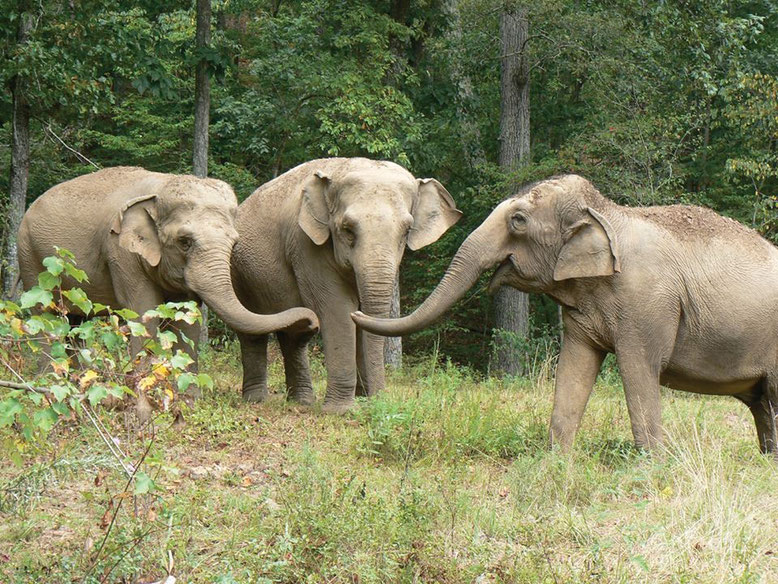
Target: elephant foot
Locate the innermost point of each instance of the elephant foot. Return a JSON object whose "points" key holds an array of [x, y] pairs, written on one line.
{"points": [[338, 407], [302, 396], [255, 394]]}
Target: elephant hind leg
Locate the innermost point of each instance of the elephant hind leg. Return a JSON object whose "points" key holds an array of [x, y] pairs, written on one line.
{"points": [[253, 354], [764, 408], [294, 348]]}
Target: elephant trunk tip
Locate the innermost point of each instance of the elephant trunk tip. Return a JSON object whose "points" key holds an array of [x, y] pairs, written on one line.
{"points": [[364, 321]]}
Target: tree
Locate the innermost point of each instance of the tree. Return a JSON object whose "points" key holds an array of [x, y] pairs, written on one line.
{"points": [[511, 307], [202, 91], [202, 115], [20, 156]]}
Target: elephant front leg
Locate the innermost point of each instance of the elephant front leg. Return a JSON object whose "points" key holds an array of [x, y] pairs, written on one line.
{"points": [[294, 348], [187, 340], [579, 364], [253, 355], [339, 336], [370, 361], [641, 390]]}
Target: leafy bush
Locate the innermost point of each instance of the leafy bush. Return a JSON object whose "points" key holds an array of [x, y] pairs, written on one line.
{"points": [[65, 352]]}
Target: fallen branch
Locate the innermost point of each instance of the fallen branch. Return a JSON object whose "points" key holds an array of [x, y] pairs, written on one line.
{"points": [[12, 385]]}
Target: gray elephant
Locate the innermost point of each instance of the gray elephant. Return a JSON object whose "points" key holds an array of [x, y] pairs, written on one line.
{"points": [[329, 235], [144, 238], [683, 297]]}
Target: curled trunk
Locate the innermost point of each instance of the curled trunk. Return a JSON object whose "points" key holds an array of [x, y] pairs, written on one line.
{"points": [[470, 261], [209, 278]]}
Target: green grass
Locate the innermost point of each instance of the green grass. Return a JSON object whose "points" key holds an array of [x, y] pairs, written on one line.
{"points": [[445, 477]]}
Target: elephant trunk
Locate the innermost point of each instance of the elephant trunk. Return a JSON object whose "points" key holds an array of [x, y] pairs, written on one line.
{"points": [[470, 261], [375, 283], [208, 276]]}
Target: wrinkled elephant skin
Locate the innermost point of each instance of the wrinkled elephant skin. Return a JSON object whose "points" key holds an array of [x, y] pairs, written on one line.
{"points": [[682, 296], [144, 238], [329, 235]]}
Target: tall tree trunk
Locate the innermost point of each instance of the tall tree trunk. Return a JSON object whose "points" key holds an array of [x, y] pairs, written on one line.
{"points": [[511, 307], [202, 116], [202, 91], [20, 160], [393, 346]]}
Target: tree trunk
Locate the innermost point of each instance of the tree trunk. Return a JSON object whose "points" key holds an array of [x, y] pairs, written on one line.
{"points": [[202, 116], [202, 91], [20, 161], [511, 306], [393, 346]]}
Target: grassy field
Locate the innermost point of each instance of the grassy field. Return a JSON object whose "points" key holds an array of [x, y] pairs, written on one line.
{"points": [[445, 477]]}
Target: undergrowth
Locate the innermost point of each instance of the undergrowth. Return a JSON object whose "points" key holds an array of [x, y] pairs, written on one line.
{"points": [[444, 477]]}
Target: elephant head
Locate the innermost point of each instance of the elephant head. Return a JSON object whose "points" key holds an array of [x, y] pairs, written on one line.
{"points": [[372, 211], [182, 227], [550, 233]]}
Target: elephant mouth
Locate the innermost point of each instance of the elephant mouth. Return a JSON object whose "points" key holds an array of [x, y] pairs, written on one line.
{"points": [[506, 271]]}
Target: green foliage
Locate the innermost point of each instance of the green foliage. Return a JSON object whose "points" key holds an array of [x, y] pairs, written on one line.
{"points": [[85, 362], [664, 103]]}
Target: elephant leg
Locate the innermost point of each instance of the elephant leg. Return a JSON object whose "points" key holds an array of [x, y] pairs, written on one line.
{"points": [[339, 337], [371, 373], [764, 408], [253, 355], [579, 364], [294, 348], [191, 332], [138, 296], [641, 389]]}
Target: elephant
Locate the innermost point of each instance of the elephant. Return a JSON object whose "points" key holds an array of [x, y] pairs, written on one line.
{"points": [[145, 238], [682, 296], [329, 235]]}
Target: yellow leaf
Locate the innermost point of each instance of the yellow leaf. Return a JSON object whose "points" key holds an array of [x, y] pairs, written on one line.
{"points": [[666, 493], [160, 370], [17, 326], [87, 378], [147, 382]]}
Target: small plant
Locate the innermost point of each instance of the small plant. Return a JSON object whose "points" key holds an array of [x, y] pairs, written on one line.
{"points": [[60, 366]]}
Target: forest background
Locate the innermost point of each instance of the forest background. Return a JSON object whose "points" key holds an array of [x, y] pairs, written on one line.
{"points": [[655, 102]]}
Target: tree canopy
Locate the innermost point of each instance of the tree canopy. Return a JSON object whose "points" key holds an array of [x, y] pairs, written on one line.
{"points": [[656, 102]]}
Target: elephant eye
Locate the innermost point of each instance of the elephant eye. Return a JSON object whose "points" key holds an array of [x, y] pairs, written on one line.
{"points": [[518, 221], [185, 241], [348, 233]]}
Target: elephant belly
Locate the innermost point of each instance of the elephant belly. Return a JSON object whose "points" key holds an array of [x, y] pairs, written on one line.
{"points": [[713, 384], [726, 367]]}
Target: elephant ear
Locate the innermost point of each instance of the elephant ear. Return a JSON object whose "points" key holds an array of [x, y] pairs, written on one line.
{"points": [[434, 211], [315, 208], [136, 225], [589, 249]]}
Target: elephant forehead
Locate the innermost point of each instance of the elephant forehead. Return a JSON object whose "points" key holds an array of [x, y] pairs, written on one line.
{"points": [[377, 186], [376, 211], [184, 189]]}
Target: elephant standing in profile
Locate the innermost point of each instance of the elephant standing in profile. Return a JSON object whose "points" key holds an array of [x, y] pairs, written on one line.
{"points": [[682, 296], [145, 238], [329, 235]]}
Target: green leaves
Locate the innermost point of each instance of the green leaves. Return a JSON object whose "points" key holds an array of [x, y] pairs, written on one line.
{"points": [[34, 297], [91, 361], [143, 484]]}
